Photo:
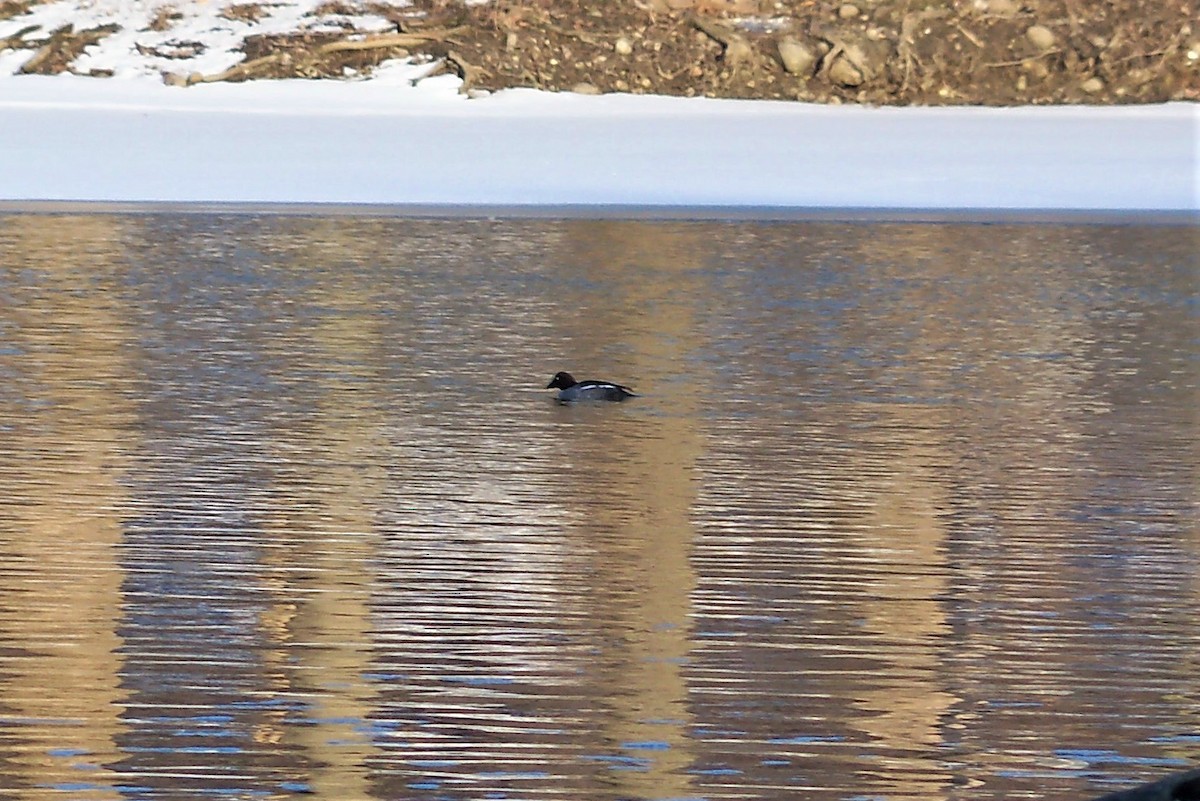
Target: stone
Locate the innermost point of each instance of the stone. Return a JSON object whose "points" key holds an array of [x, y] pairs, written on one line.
{"points": [[1092, 85], [796, 56], [1002, 8], [858, 62], [1040, 37], [737, 52], [844, 73], [1138, 76], [848, 11], [623, 46], [585, 88]]}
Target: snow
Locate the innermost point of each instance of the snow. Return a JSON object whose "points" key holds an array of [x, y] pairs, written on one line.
{"points": [[215, 26], [384, 140]]}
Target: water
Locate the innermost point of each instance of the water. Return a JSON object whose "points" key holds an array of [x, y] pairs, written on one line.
{"points": [[903, 512]]}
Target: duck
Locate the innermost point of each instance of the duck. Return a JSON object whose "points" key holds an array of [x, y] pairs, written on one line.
{"points": [[571, 390]]}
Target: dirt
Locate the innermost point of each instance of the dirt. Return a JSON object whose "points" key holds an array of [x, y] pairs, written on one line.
{"points": [[888, 52], [880, 52]]}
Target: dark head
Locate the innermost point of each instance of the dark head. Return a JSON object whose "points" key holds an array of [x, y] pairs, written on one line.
{"points": [[561, 381]]}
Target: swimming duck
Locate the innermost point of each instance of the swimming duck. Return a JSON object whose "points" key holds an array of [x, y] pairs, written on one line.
{"points": [[571, 390]]}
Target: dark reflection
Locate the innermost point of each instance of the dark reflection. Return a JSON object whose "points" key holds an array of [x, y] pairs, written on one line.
{"points": [[905, 511]]}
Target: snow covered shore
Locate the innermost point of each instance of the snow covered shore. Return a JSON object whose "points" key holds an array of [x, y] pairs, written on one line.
{"points": [[70, 138]]}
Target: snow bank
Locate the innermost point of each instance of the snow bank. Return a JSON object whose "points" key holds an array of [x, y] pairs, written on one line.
{"points": [[385, 141]]}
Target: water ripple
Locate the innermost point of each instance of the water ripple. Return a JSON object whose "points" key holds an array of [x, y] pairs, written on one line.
{"points": [[904, 511]]}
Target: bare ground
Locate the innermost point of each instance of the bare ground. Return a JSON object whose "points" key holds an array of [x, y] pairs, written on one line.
{"points": [[882, 52]]}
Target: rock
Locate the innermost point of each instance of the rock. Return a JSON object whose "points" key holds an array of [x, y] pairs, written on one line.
{"points": [[737, 52], [848, 11], [796, 56], [585, 88], [858, 61], [1176, 787], [1002, 8], [1092, 85], [1035, 69], [844, 73], [623, 46], [1040, 37], [1139, 76]]}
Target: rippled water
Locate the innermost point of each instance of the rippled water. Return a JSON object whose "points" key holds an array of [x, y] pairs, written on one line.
{"points": [[903, 512]]}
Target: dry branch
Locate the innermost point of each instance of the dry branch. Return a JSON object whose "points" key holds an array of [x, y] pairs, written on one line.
{"points": [[389, 40]]}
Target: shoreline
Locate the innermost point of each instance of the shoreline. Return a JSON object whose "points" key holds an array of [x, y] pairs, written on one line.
{"points": [[632, 212], [996, 53]]}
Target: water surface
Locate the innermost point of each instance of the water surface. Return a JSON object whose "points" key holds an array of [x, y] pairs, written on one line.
{"points": [[905, 511]]}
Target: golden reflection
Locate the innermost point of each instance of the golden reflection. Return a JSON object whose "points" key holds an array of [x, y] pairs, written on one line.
{"points": [[648, 266], [329, 537], [904, 618], [523, 573], [61, 466]]}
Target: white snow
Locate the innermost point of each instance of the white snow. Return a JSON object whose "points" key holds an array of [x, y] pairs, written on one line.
{"points": [[133, 51], [130, 138]]}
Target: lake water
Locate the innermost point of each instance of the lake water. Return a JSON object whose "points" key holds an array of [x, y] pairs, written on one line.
{"points": [[904, 511]]}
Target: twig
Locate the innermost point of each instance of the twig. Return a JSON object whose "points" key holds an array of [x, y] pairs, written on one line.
{"points": [[1019, 61], [15, 40], [389, 40], [974, 39], [1162, 51], [245, 69], [718, 33], [583, 36], [467, 71]]}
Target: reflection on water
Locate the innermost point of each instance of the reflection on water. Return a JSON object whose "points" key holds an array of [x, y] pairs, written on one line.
{"points": [[904, 512]]}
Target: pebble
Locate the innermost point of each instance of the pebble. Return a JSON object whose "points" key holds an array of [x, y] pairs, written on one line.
{"points": [[842, 72], [796, 57], [585, 88], [1040, 36], [623, 46], [737, 51], [1002, 8], [1138, 76], [848, 11], [1092, 85]]}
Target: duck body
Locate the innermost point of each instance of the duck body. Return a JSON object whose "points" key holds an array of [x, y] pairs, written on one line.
{"points": [[570, 390]]}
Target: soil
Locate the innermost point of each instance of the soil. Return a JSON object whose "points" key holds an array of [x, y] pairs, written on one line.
{"points": [[879, 52], [882, 52]]}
